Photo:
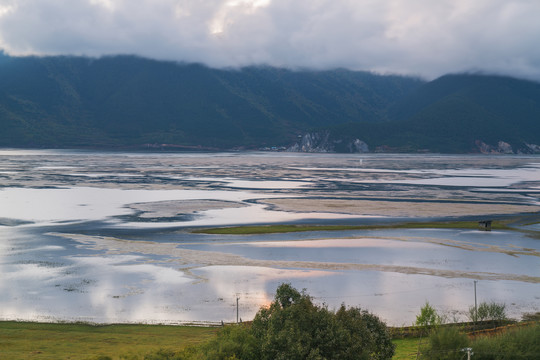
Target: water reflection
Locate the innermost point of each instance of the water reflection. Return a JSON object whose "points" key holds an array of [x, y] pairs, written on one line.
{"points": [[104, 237]]}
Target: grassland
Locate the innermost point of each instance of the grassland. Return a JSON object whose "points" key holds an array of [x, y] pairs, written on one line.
{"points": [[406, 349], [273, 229], [27, 340]]}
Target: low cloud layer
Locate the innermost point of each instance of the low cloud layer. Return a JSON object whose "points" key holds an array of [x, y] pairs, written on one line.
{"points": [[416, 37]]}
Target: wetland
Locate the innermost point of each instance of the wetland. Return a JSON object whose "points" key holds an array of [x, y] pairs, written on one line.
{"points": [[113, 237]]}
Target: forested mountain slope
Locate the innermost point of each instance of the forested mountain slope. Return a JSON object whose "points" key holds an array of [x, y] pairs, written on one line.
{"points": [[132, 102], [128, 101], [456, 114]]}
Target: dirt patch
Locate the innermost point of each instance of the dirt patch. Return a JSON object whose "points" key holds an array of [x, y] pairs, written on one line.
{"points": [[174, 208]]}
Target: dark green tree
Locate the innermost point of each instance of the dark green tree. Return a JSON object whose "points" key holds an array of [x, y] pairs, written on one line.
{"points": [[367, 335], [294, 328]]}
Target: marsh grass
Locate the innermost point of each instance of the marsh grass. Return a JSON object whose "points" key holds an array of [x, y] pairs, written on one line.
{"points": [[273, 229], [27, 340]]}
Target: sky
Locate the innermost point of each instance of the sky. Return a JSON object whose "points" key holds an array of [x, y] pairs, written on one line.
{"points": [[426, 38]]}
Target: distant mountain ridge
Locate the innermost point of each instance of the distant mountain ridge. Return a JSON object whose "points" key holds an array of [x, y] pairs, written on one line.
{"points": [[467, 109], [454, 114], [128, 101], [131, 102]]}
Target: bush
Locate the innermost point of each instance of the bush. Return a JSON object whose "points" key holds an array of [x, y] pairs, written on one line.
{"points": [[488, 311], [232, 342], [522, 343], [446, 343]]}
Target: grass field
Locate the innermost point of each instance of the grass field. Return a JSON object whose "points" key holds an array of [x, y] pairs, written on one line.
{"points": [[406, 349], [27, 340], [271, 229]]}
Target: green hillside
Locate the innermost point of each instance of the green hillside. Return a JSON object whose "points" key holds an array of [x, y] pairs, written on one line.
{"points": [[461, 109], [130, 101], [457, 114]]}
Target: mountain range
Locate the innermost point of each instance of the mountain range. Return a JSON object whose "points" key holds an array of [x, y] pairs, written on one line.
{"points": [[131, 102]]}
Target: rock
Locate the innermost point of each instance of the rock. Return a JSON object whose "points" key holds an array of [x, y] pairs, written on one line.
{"points": [[358, 146], [504, 148], [533, 148], [322, 142], [483, 147]]}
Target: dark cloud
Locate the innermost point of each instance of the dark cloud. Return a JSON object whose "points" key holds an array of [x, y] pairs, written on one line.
{"points": [[422, 37]]}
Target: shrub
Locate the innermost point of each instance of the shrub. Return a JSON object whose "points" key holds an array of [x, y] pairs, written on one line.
{"points": [[232, 342], [445, 343], [488, 311], [519, 343]]}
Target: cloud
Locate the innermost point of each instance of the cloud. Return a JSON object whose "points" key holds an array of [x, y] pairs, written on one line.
{"points": [[421, 37]]}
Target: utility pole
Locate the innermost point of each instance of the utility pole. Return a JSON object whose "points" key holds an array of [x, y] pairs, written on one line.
{"points": [[475, 307], [237, 298]]}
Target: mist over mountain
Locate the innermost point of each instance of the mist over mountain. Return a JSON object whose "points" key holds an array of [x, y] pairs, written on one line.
{"points": [[132, 102]]}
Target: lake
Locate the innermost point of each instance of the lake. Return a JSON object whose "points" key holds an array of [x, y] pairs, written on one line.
{"points": [[107, 237]]}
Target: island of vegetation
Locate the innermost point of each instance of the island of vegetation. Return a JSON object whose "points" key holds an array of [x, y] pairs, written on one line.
{"points": [[280, 228]]}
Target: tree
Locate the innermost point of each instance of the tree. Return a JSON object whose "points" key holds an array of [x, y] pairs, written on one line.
{"points": [[369, 336], [428, 316], [294, 328]]}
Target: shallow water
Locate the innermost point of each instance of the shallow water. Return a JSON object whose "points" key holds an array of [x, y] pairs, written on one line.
{"points": [[105, 237]]}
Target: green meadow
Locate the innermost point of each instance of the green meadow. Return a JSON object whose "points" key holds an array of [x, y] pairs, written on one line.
{"points": [[29, 340]]}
